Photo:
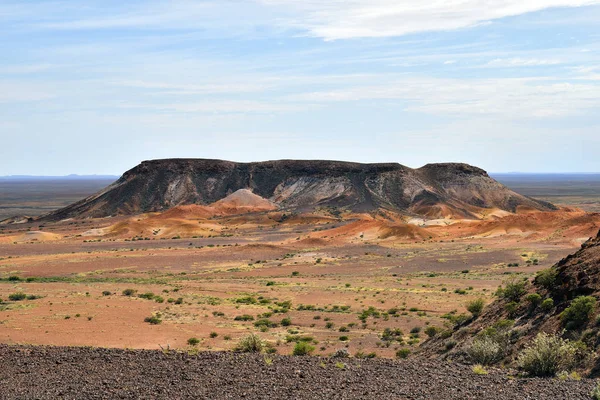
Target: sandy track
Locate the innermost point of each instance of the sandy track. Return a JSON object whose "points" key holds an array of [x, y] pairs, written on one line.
{"points": [[87, 373]]}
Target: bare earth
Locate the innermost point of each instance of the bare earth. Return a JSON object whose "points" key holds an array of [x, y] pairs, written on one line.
{"points": [[309, 277]]}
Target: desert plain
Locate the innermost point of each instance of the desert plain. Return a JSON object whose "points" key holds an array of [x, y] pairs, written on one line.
{"points": [[197, 278]]}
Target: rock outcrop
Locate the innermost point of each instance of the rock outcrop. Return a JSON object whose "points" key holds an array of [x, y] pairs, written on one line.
{"points": [[434, 191]]}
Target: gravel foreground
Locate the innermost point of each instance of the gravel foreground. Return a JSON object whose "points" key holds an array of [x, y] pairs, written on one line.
{"points": [[28, 372]]}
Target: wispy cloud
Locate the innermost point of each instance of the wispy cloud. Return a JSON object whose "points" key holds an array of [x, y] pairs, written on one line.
{"points": [[523, 98], [345, 19], [331, 20], [522, 62]]}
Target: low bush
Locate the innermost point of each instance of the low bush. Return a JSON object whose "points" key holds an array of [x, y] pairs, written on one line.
{"points": [[341, 353], [475, 307], [546, 278], [479, 370], [302, 349], [547, 305], [244, 317], [250, 344], [513, 289], [17, 296], [129, 292], [486, 350], [193, 341], [579, 312], [403, 353], [596, 392], [153, 320], [432, 331], [547, 355]]}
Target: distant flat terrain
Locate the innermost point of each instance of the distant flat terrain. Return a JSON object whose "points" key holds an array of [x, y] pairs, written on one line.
{"points": [[577, 190], [33, 196]]}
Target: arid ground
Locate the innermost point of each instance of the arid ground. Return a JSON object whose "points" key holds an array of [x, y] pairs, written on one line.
{"points": [[357, 281]]}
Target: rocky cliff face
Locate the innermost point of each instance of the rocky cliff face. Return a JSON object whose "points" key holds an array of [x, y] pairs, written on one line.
{"points": [[435, 190]]}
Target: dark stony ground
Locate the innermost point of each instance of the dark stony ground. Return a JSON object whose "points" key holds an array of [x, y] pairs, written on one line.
{"points": [[94, 373]]}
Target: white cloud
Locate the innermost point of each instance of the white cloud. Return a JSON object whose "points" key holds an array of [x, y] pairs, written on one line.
{"points": [[522, 62], [345, 19], [331, 20]]}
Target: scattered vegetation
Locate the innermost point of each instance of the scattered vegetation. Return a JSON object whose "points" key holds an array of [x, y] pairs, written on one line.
{"points": [[403, 353], [153, 320], [547, 355], [579, 312], [479, 370], [17, 296], [475, 307], [251, 343], [513, 289], [546, 278], [303, 348]]}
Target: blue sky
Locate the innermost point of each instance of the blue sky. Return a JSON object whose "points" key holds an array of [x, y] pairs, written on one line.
{"points": [[95, 87]]}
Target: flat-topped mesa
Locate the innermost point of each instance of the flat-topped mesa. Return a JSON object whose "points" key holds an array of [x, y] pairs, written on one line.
{"points": [[435, 190]]}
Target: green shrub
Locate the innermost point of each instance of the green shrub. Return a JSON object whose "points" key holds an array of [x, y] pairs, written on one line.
{"points": [[214, 334], [479, 370], [547, 355], [343, 338], [596, 392], [246, 300], [547, 305], [303, 348], [17, 296], [534, 300], [265, 323], [250, 344], [546, 278], [106, 293], [244, 317], [475, 307], [511, 308], [129, 292], [286, 322], [432, 331], [193, 341], [154, 320], [403, 353], [486, 350], [513, 289], [579, 312]]}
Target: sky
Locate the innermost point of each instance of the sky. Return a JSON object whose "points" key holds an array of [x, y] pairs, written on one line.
{"points": [[97, 86]]}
